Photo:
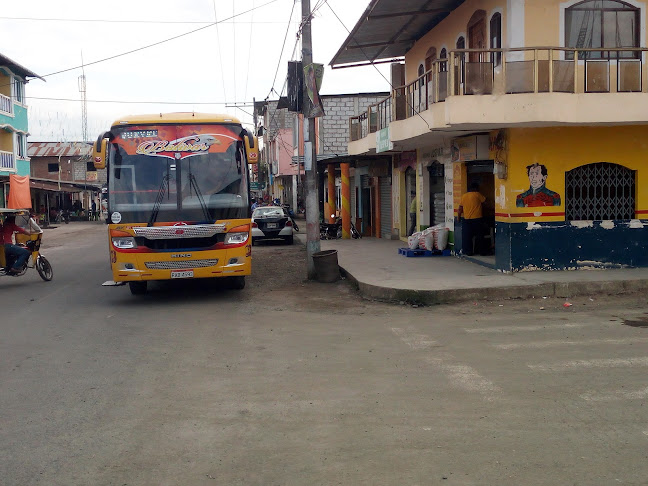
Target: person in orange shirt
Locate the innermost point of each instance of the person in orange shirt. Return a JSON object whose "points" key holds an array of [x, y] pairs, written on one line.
{"points": [[471, 210]]}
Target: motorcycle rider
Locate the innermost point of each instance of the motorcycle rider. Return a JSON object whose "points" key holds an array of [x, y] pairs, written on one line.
{"points": [[22, 254]]}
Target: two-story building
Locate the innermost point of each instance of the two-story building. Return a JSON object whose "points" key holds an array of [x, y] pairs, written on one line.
{"points": [[63, 173], [368, 178], [13, 123], [543, 103]]}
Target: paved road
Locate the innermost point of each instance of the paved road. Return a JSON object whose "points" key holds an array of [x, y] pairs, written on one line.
{"points": [[293, 383]]}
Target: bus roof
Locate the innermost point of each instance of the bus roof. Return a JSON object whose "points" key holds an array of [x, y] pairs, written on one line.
{"points": [[171, 118]]}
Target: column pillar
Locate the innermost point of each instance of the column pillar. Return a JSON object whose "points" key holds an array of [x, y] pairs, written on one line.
{"points": [[346, 202], [330, 217]]}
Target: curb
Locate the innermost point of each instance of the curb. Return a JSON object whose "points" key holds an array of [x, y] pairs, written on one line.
{"points": [[454, 296]]}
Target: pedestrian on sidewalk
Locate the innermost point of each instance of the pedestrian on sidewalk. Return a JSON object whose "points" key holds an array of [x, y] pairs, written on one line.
{"points": [[473, 224], [413, 210]]}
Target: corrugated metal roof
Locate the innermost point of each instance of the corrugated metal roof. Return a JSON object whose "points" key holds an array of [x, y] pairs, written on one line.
{"points": [[56, 149], [17, 68], [389, 28]]}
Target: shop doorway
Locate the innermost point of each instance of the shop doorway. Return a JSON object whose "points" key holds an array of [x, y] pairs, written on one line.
{"points": [[410, 193], [436, 174], [481, 172]]}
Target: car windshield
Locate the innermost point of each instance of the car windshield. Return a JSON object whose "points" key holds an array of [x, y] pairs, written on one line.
{"points": [[268, 212]]}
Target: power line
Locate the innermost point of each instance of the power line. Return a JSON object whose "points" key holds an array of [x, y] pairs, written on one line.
{"points": [[414, 110], [121, 21], [283, 47], [220, 54], [162, 41], [133, 102]]}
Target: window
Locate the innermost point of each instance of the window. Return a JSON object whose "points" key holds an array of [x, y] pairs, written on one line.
{"points": [[20, 146], [90, 167], [443, 65], [601, 191], [430, 57], [52, 167], [496, 38], [602, 23], [461, 44], [19, 90]]}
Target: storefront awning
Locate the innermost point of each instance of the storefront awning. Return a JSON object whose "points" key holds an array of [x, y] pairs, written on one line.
{"points": [[55, 186], [389, 28]]}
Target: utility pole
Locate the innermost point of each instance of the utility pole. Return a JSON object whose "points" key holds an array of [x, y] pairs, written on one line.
{"points": [[310, 153]]}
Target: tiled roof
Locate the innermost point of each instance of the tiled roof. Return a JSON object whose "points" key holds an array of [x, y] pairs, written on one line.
{"points": [[56, 149]]}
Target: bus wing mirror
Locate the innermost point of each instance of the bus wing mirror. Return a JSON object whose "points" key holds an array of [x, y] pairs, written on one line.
{"points": [[251, 147], [99, 151]]}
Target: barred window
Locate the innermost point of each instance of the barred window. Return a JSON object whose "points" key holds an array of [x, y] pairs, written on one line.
{"points": [[600, 191]]}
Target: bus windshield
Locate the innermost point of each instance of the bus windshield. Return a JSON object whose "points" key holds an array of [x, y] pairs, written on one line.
{"points": [[196, 178]]}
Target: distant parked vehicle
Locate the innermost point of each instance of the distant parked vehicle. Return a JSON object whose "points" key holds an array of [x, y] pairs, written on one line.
{"points": [[270, 223]]}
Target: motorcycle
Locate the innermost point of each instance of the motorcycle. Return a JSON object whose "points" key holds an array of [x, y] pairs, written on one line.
{"points": [[31, 242], [333, 231]]}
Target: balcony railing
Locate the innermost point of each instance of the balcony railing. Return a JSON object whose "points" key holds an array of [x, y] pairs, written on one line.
{"points": [[377, 117], [7, 161], [6, 106], [510, 71]]}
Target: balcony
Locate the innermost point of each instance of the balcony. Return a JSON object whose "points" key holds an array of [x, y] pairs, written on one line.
{"points": [[6, 106], [7, 161], [481, 89]]}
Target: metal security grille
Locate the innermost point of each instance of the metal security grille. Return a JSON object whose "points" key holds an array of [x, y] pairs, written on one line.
{"points": [[181, 264], [600, 191]]}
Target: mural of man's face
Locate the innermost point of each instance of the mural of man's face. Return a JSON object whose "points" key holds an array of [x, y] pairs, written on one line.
{"points": [[536, 178]]}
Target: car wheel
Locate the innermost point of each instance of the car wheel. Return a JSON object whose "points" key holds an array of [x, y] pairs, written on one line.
{"points": [[237, 283], [137, 288]]}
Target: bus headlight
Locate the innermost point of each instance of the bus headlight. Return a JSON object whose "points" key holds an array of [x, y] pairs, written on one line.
{"points": [[236, 238], [124, 242]]}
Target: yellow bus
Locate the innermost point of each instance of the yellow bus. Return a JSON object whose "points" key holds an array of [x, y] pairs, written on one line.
{"points": [[178, 197]]}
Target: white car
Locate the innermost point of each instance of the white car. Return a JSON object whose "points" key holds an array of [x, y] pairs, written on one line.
{"points": [[271, 222]]}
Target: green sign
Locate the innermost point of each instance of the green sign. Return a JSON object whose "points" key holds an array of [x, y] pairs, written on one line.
{"points": [[383, 142], [257, 186]]}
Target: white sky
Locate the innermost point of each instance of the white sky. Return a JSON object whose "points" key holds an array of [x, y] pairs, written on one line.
{"points": [[186, 70]]}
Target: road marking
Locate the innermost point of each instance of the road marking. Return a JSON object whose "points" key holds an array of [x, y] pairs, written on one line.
{"points": [[589, 342], [591, 363], [464, 376], [615, 396], [485, 330], [414, 341]]}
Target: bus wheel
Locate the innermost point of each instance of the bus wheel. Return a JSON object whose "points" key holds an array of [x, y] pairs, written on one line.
{"points": [[137, 288], [237, 283]]}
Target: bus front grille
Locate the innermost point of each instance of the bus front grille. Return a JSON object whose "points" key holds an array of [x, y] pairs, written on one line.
{"points": [[181, 264]]}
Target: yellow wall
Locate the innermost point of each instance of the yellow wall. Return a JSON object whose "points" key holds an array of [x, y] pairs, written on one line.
{"points": [[541, 28], [542, 22], [5, 84], [6, 141], [561, 149], [448, 31]]}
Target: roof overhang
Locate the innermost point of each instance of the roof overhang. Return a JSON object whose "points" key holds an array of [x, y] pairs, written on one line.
{"points": [[389, 28], [17, 68]]}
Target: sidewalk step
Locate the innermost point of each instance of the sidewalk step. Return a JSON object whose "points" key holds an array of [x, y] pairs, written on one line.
{"points": [[422, 253]]}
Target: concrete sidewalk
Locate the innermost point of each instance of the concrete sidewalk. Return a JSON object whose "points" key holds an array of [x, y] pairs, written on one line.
{"points": [[379, 272]]}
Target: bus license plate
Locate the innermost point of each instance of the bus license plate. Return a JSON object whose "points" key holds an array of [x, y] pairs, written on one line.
{"points": [[182, 274], [271, 225]]}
